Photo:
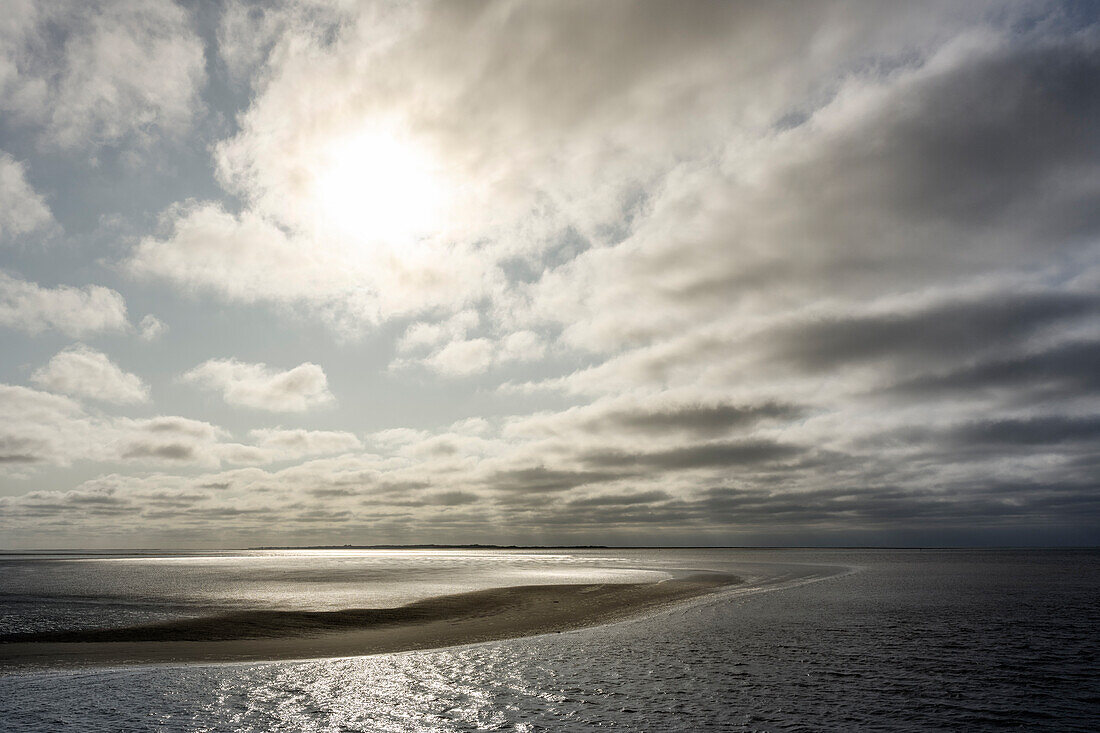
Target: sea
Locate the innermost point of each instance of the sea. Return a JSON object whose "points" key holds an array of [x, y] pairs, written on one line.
{"points": [[811, 640]]}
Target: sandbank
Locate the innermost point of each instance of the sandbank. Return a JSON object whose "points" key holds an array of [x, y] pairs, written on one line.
{"points": [[442, 621]]}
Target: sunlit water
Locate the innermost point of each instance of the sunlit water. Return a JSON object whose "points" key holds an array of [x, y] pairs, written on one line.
{"points": [[814, 640], [40, 593]]}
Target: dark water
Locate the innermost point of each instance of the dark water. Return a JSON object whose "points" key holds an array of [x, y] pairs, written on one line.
{"points": [[909, 641]]}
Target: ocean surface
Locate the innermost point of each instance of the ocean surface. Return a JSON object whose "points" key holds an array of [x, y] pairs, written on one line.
{"points": [[890, 640]]}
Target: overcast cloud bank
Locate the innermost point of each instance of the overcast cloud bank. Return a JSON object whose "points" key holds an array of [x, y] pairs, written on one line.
{"points": [[551, 272]]}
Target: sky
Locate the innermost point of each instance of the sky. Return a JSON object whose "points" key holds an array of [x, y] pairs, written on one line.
{"points": [[738, 273]]}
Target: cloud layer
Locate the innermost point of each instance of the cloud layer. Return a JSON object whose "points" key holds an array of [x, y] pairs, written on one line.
{"points": [[579, 272]]}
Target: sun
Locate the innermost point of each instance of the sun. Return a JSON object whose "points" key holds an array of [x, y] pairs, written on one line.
{"points": [[378, 188]]}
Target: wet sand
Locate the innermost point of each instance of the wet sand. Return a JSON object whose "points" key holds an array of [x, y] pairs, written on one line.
{"points": [[464, 618]]}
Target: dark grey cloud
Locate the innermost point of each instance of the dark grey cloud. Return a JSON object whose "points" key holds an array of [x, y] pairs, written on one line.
{"points": [[1066, 444], [15, 449], [103, 498], [176, 425], [68, 505], [180, 500], [702, 455], [896, 506], [18, 458], [1065, 369], [390, 487], [540, 479], [624, 499], [1036, 431], [980, 163], [169, 451], [437, 499], [238, 511], [332, 491], [452, 498], [944, 330], [830, 512], [703, 419], [979, 142], [321, 515]]}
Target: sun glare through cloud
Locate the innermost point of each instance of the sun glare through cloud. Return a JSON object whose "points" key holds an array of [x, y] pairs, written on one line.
{"points": [[378, 189]]}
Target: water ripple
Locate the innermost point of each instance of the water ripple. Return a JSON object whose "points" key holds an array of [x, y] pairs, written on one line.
{"points": [[947, 641]]}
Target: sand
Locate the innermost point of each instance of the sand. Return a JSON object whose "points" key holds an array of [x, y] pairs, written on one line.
{"points": [[452, 620]]}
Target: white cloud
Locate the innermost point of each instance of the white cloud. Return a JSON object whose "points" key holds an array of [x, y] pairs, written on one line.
{"points": [[22, 210], [125, 70], [151, 328], [260, 387], [168, 439], [248, 31], [76, 312], [521, 346], [462, 358], [520, 185], [289, 444], [425, 335], [85, 372], [244, 258], [43, 429], [39, 428], [251, 258]]}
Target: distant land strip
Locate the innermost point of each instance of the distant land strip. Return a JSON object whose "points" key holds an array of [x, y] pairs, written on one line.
{"points": [[432, 547]]}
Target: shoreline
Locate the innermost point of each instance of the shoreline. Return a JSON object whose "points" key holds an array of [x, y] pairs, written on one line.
{"points": [[443, 621]]}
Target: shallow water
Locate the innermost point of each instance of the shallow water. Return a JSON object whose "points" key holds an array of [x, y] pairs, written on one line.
{"points": [[53, 592], [815, 640]]}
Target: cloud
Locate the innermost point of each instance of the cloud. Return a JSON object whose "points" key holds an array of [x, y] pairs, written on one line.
{"points": [[84, 372], [243, 258], [151, 328], [22, 210], [37, 426], [935, 332], [515, 178], [700, 455], [462, 358], [75, 312], [665, 415], [102, 73], [426, 335], [640, 497], [262, 388], [870, 195], [164, 439], [248, 32], [451, 354], [1031, 431], [1065, 369], [40, 429], [540, 479], [291, 444]]}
